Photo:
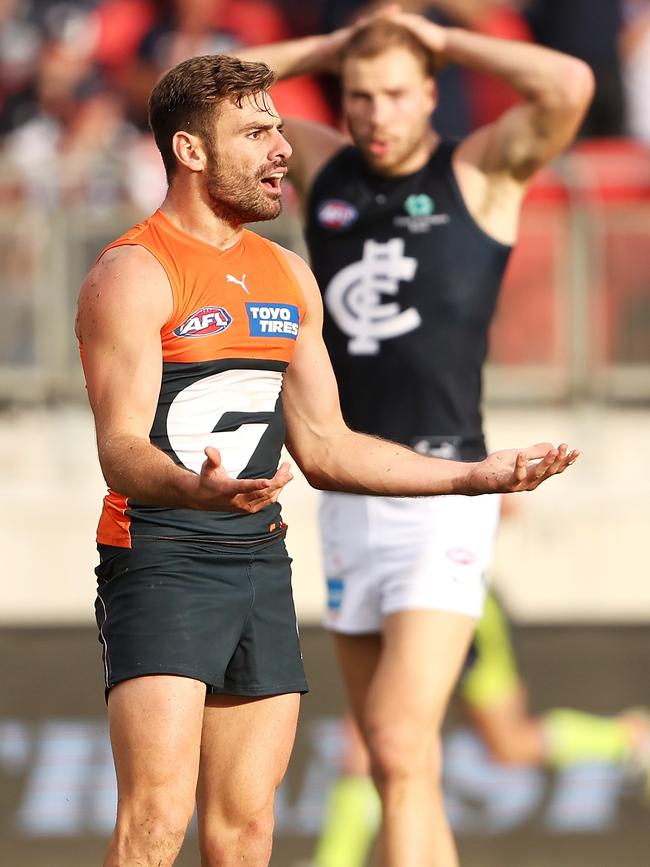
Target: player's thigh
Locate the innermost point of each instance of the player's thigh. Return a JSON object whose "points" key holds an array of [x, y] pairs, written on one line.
{"points": [[246, 744], [358, 657], [155, 725], [423, 652]]}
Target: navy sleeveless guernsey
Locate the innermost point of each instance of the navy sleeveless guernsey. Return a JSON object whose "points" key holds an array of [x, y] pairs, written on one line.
{"points": [[410, 284]]}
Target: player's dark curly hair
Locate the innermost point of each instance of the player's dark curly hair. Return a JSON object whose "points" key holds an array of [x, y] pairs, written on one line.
{"points": [[188, 97]]}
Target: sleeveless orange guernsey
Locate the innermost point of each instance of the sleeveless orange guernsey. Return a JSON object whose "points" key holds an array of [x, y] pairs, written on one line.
{"points": [[236, 316]]}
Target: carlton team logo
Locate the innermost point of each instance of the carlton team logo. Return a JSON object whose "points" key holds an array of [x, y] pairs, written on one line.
{"points": [[336, 214], [354, 296], [205, 322]]}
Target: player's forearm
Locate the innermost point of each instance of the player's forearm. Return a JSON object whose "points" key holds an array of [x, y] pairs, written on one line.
{"points": [[539, 74], [135, 468], [360, 464], [311, 54]]}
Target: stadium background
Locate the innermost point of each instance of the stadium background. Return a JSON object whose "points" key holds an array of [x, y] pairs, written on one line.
{"points": [[570, 360]]}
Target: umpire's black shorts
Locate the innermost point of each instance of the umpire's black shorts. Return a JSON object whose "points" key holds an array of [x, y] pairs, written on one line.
{"points": [[210, 611]]}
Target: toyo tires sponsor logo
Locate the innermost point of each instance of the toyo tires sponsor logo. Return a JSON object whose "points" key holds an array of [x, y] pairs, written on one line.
{"points": [[336, 214], [204, 322], [281, 320]]}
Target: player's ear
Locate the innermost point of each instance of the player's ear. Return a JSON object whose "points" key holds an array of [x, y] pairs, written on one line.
{"points": [[431, 91], [189, 151]]}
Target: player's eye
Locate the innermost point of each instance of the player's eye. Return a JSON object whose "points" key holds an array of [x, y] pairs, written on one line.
{"points": [[255, 134]]}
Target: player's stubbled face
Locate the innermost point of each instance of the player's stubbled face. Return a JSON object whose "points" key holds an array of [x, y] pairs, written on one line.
{"points": [[247, 161], [388, 101]]}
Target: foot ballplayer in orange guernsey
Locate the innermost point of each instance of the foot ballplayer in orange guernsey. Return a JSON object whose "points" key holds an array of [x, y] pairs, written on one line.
{"points": [[202, 350]]}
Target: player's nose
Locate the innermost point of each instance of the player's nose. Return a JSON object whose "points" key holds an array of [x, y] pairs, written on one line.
{"points": [[280, 147], [379, 113]]}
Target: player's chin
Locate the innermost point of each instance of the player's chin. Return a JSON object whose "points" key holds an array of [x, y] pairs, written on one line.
{"points": [[387, 163], [272, 193], [376, 159], [266, 210], [274, 210]]}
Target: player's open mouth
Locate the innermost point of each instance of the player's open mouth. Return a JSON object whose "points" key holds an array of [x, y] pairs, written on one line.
{"points": [[273, 181], [378, 148]]}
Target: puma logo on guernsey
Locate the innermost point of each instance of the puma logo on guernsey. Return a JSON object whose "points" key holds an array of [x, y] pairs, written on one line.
{"points": [[242, 282], [204, 322]]}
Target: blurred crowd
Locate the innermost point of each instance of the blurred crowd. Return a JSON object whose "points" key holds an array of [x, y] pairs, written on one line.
{"points": [[75, 75]]}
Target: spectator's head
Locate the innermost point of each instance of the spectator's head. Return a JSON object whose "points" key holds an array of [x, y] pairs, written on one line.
{"points": [[196, 16], [63, 80], [389, 93], [215, 124]]}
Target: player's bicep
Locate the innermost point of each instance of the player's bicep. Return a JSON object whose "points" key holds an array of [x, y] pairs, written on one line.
{"points": [[531, 134], [310, 394], [520, 142], [123, 303]]}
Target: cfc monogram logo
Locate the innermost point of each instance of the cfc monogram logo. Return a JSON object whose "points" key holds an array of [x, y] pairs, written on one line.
{"points": [[353, 297]]}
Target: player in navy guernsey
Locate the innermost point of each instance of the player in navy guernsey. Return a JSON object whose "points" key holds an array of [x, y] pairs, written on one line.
{"points": [[409, 237]]}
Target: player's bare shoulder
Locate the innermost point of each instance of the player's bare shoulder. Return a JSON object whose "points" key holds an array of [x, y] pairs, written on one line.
{"points": [[126, 280], [305, 278]]}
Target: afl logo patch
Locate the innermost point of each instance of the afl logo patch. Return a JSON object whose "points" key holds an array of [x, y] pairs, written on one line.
{"points": [[336, 214], [204, 322], [461, 556]]}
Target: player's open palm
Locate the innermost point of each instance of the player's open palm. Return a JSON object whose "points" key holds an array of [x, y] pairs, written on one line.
{"points": [[514, 470], [219, 492]]}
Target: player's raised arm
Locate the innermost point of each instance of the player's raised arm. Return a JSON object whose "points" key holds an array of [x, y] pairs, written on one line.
{"points": [[556, 90], [123, 303], [335, 458], [306, 56]]}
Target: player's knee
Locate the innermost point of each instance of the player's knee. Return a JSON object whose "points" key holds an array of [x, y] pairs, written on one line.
{"points": [[154, 832], [224, 844], [400, 750]]}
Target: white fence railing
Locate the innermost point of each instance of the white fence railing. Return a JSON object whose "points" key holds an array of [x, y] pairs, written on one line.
{"points": [[573, 321]]}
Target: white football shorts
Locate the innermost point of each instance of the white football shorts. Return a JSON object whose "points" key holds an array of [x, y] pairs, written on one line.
{"points": [[388, 554]]}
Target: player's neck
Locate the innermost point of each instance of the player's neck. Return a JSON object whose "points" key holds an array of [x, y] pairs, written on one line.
{"points": [[192, 215]]}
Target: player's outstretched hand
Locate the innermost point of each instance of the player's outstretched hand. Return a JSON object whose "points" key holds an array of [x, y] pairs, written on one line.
{"points": [[219, 492], [514, 470]]}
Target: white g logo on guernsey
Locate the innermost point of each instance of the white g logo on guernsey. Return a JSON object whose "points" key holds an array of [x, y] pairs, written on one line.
{"points": [[353, 296], [197, 410]]}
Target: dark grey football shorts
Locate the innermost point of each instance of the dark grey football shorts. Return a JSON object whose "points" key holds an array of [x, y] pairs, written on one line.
{"points": [[210, 611]]}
